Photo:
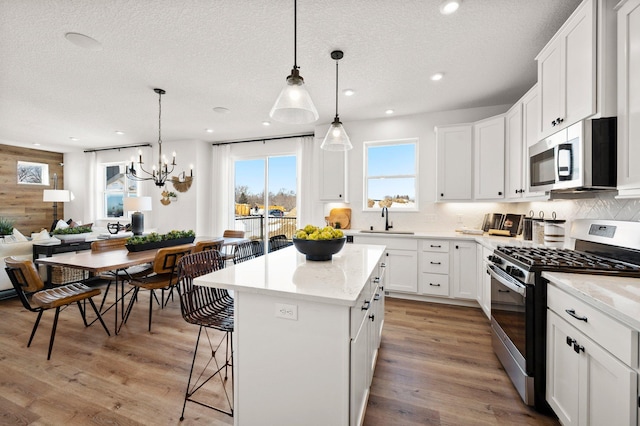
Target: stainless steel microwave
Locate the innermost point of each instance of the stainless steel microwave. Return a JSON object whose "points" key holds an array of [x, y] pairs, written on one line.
{"points": [[578, 158]]}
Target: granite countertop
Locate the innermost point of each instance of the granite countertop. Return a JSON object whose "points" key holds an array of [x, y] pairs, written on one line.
{"points": [[617, 296], [287, 273]]}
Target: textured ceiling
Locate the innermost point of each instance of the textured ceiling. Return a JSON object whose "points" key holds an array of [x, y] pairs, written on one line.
{"points": [[237, 53]]}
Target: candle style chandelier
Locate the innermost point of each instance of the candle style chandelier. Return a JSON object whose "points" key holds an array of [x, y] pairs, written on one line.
{"points": [[161, 173]]}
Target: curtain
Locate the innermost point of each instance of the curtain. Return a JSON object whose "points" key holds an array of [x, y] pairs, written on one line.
{"points": [[306, 164], [221, 190]]}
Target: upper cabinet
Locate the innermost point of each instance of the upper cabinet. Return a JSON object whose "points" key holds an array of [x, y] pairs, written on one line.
{"points": [[333, 182], [454, 152], [629, 99], [576, 69], [489, 158]]}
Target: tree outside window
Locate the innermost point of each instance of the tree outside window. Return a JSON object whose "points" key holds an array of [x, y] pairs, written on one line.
{"points": [[116, 187]]}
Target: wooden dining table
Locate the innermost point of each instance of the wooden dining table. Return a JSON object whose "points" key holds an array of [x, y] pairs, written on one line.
{"points": [[113, 260]]}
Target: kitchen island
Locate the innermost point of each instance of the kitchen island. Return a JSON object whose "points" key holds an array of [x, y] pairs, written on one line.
{"points": [[306, 335]]}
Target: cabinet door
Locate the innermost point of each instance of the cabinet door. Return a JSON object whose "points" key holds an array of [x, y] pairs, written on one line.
{"points": [[550, 78], [332, 176], [454, 147], [629, 96], [489, 159], [402, 270], [514, 152], [563, 371], [359, 387], [531, 134], [464, 270]]}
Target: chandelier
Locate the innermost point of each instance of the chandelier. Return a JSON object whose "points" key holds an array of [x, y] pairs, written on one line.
{"points": [[161, 173]]}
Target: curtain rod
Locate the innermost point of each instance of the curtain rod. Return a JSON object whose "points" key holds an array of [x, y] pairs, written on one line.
{"points": [[263, 139], [118, 147]]}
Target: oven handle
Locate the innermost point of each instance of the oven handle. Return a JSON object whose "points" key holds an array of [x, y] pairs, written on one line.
{"points": [[510, 283]]}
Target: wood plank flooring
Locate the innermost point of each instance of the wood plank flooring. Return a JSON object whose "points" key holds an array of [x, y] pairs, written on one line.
{"points": [[435, 367]]}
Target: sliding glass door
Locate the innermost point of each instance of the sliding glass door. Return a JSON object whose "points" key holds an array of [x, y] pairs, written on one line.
{"points": [[265, 196]]}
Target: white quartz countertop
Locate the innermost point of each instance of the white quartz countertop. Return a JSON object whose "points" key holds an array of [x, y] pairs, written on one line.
{"points": [[287, 273], [488, 241], [619, 297]]}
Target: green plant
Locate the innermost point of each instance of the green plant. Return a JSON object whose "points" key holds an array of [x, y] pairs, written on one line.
{"points": [[6, 226], [72, 231], [154, 237], [172, 194]]}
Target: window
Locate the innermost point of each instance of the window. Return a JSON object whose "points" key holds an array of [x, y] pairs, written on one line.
{"points": [[391, 178], [116, 187]]}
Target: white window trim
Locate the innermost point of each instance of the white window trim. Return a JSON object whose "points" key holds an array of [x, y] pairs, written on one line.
{"points": [[366, 177], [103, 198]]}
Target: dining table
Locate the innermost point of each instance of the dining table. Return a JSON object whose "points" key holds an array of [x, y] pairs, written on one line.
{"points": [[117, 260]]}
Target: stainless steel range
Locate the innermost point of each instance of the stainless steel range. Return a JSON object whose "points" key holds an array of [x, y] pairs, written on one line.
{"points": [[519, 293]]}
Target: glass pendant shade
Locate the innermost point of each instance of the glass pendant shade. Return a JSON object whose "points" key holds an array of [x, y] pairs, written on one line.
{"points": [[294, 105], [336, 138]]}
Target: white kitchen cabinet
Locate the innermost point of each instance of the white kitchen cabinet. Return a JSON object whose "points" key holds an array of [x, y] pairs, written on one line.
{"points": [[629, 99], [530, 134], [359, 387], [576, 69], [484, 279], [454, 162], [333, 182], [514, 148], [587, 382], [434, 268], [401, 260], [489, 150], [463, 269]]}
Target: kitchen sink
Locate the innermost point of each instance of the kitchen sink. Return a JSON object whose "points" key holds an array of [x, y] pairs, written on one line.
{"points": [[369, 231]]}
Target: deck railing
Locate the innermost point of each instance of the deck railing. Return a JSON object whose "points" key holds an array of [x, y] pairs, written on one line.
{"points": [[254, 226]]}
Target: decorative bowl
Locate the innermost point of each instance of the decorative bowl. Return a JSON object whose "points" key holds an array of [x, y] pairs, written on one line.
{"points": [[319, 249], [72, 238]]}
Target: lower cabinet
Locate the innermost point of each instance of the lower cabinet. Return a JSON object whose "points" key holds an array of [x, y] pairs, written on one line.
{"points": [[401, 259], [463, 270], [586, 383], [484, 279]]}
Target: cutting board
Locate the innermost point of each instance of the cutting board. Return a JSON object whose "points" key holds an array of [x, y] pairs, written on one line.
{"points": [[341, 215]]}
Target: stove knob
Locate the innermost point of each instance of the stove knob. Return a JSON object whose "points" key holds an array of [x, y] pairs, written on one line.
{"points": [[514, 272], [495, 259]]}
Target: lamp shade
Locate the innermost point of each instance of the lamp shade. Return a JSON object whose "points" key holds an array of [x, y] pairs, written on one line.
{"points": [[336, 138], [57, 195], [294, 105], [137, 204]]}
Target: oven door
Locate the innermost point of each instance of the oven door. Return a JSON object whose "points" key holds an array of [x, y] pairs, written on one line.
{"points": [[509, 313]]}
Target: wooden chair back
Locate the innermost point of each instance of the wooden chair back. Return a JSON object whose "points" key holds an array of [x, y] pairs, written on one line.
{"points": [[166, 260], [213, 244], [109, 244], [23, 275], [232, 233]]}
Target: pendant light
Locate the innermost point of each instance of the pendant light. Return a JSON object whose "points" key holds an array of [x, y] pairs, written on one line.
{"points": [[294, 105], [336, 138]]}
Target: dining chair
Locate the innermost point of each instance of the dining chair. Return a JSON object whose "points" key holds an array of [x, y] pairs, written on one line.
{"points": [[211, 309], [228, 252], [278, 242], [247, 251], [164, 276], [128, 274], [34, 297], [212, 244]]}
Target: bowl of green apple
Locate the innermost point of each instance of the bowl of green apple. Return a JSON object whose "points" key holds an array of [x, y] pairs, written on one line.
{"points": [[318, 243]]}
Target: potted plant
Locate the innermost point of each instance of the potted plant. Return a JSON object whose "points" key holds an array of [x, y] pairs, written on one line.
{"points": [[155, 240], [76, 233], [6, 226]]}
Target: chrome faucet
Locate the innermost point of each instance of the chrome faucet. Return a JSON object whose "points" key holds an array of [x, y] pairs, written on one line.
{"points": [[386, 219]]}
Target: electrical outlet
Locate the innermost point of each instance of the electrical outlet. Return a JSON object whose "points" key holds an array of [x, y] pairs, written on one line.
{"points": [[286, 311]]}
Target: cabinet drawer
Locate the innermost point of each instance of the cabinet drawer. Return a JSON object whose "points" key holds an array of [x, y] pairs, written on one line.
{"points": [[615, 337], [433, 284], [437, 263], [391, 243], [436, 245]]}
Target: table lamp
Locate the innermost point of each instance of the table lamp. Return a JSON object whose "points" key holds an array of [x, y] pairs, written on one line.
{"points": [[137, 205], [56, 196]]}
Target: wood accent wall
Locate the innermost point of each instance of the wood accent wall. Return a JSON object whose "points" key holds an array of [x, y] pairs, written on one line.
{"points": [[23, 203]]}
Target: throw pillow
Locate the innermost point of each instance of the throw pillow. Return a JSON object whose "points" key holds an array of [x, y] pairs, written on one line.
{"points": [[61, 224], [18, 235], [39, 236]]}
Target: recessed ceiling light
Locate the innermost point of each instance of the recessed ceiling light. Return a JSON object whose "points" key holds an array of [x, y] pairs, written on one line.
{"points": [[118, 132], [389, 111], [208, 130], [36, 144], [221, 110], [348, 92], [266, 123], [437, 76], [447, 7], [74, 139], [83, 41]]}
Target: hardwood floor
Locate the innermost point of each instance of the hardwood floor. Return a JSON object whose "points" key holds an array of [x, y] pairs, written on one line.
{"points": [[435, 367]]}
